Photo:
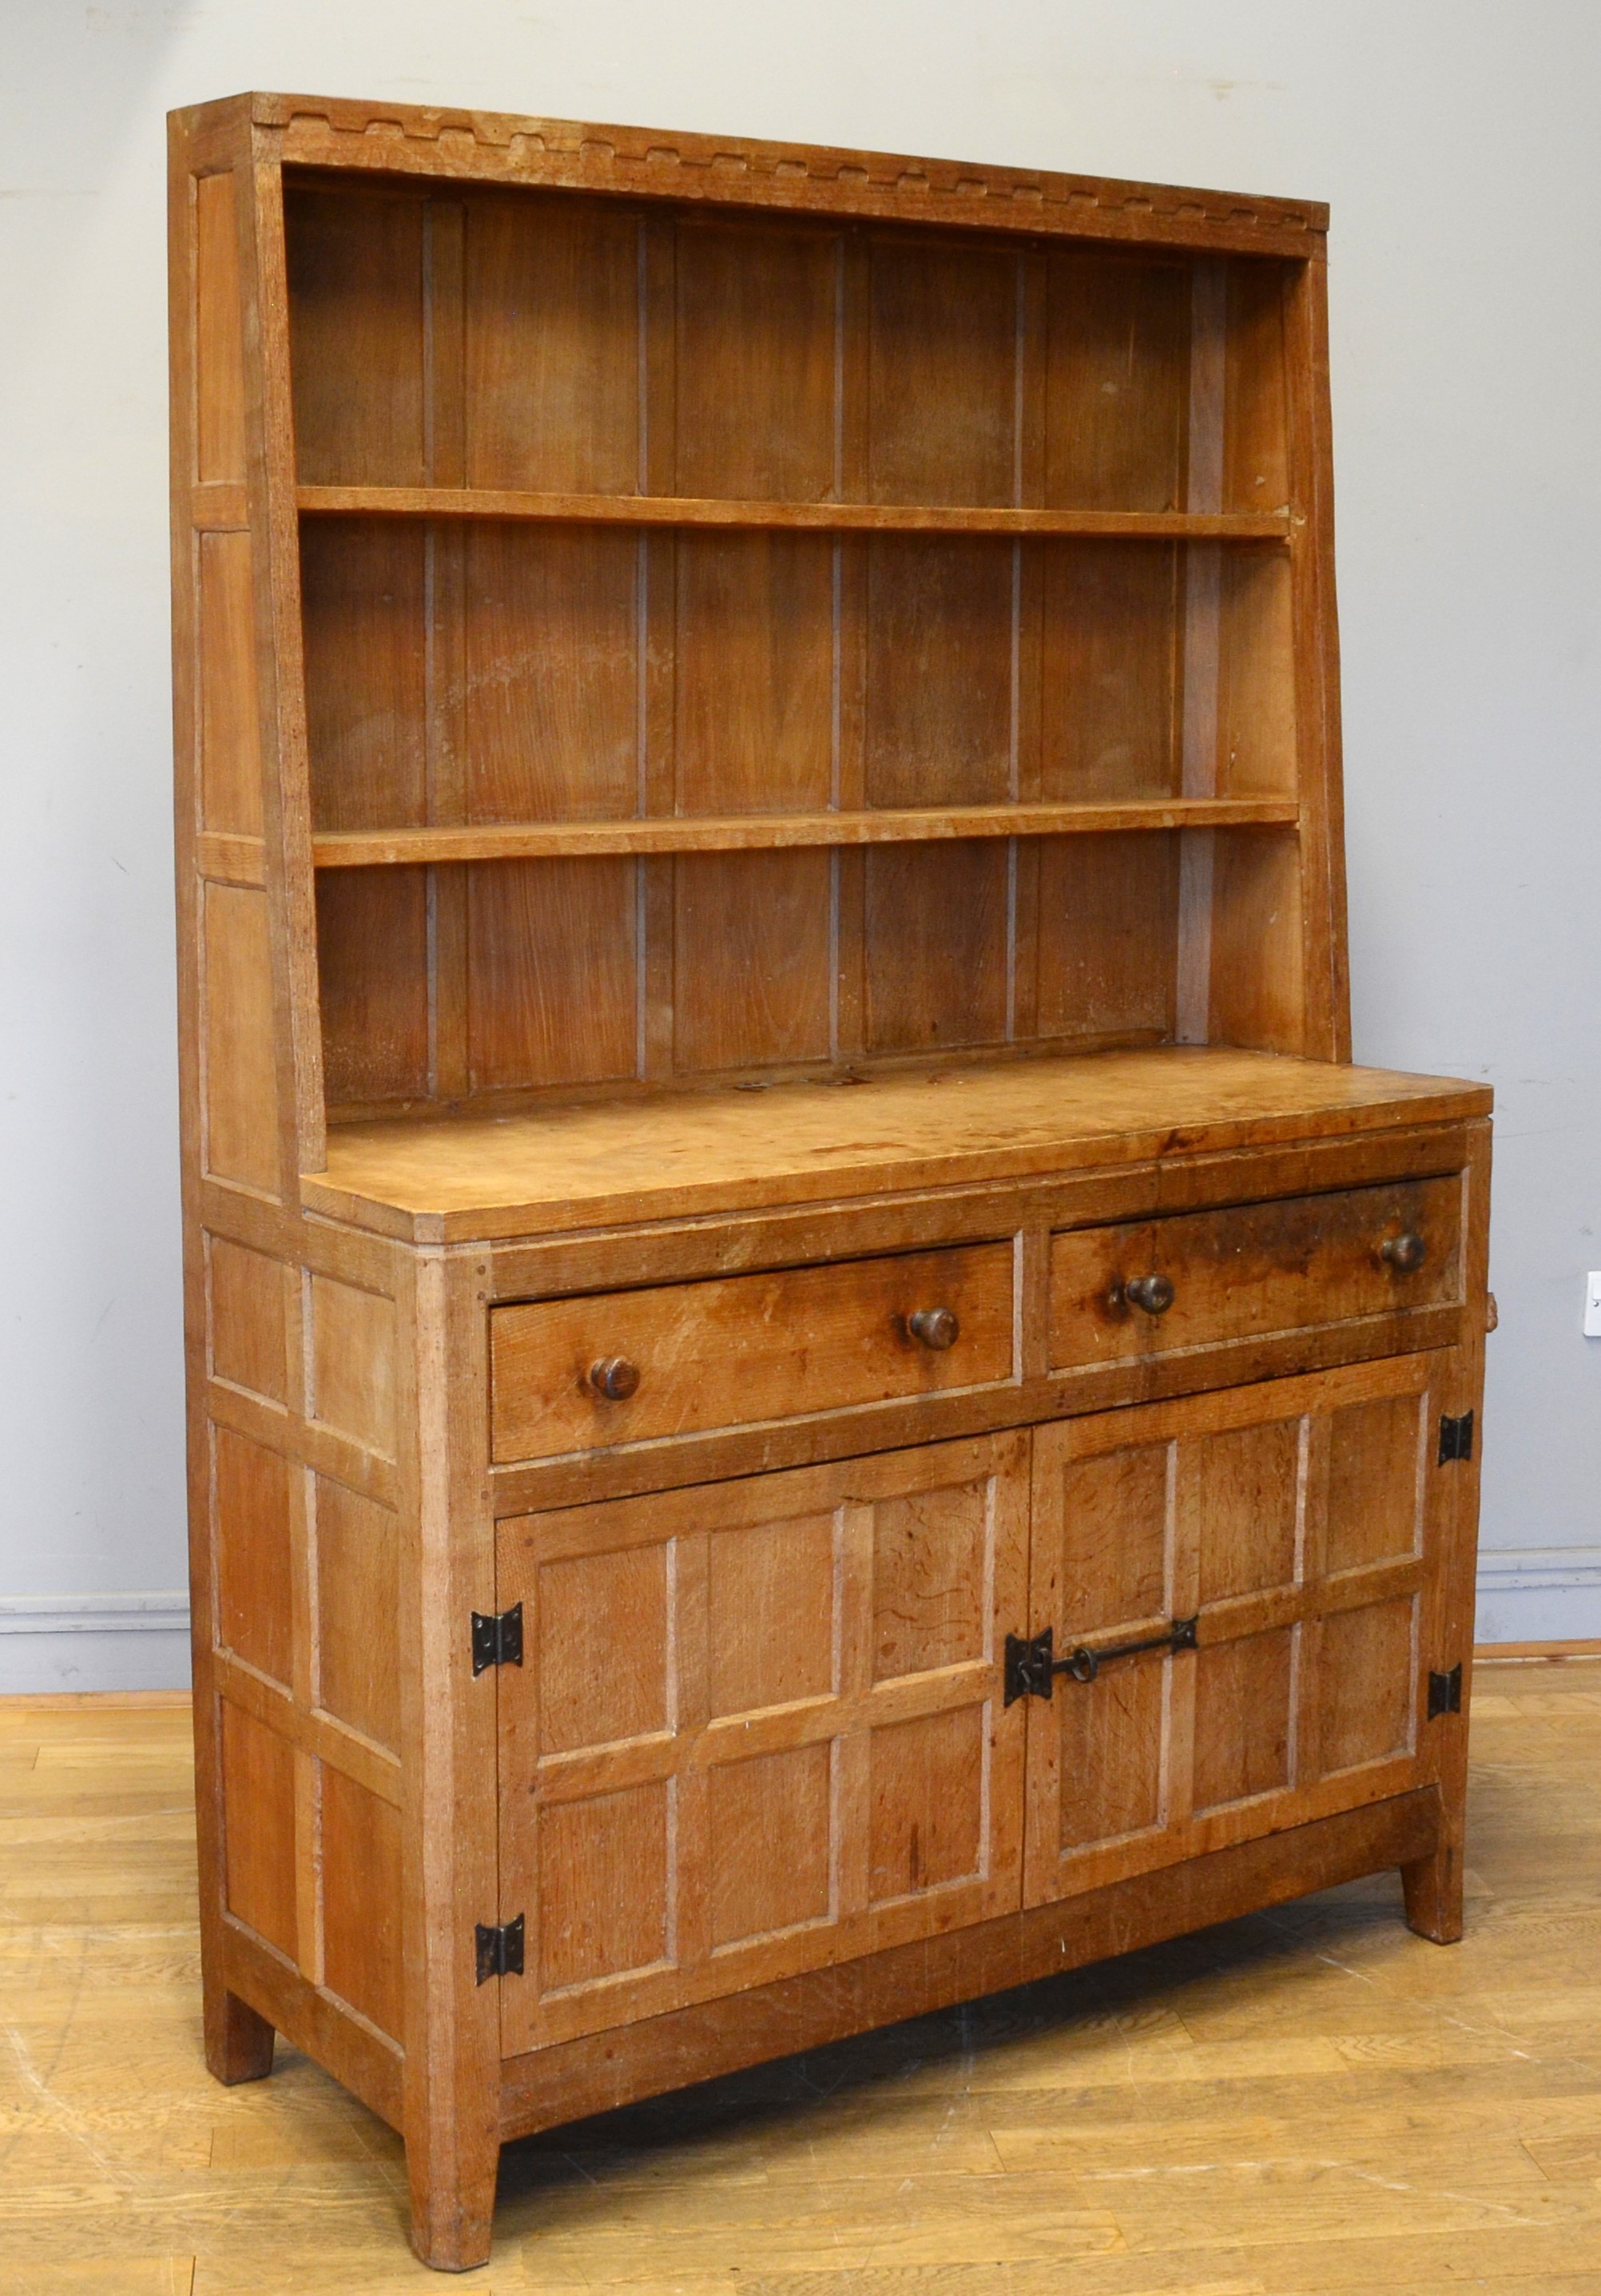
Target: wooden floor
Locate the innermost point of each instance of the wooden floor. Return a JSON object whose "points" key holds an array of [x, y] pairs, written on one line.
{"points": [[1312, 2099]]}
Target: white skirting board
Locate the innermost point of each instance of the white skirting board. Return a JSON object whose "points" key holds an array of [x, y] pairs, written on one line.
{"points": [[134, 1641], [140, 1641], [1538, 1595]]}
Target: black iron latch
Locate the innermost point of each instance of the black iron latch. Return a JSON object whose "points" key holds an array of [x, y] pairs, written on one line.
{"points": [[1031, 1668], [498, 1640], [1445, 1694], [499, 1950], [1457, 1438]]}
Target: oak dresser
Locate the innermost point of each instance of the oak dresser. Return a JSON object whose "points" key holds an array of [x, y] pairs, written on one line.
{"points": [[816, 1388]]}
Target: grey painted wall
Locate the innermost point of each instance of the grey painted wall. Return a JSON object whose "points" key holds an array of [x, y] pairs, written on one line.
{"points": [[1455, 140]]}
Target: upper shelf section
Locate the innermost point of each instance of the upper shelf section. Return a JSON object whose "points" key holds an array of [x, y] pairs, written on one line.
{"points": [[453, 341], [792, 517]]}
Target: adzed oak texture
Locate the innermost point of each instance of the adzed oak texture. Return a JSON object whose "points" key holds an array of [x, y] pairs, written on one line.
{"points": [[768, 1102]]}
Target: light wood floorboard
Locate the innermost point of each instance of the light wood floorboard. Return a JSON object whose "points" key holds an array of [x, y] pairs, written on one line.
{"points": [[1310, 2100]]}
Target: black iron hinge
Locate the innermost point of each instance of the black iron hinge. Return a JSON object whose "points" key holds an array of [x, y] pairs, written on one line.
{"points": [[1031, 1668], [498, 1640], [499, 1950], [1457, 1438], [1445, 1694]]}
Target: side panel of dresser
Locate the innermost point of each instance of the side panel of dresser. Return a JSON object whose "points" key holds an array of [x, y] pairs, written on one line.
{"points": [[304, 1509], [336, 1433], [341, 1543]]}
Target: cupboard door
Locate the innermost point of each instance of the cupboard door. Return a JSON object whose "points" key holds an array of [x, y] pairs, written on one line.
{"points": [[1302, 1525], [758, 1728]]}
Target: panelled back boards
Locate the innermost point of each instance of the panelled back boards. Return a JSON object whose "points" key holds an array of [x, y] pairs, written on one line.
{"points": [[814, 1386]]}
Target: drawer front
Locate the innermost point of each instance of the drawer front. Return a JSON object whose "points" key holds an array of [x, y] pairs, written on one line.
{"points": [[1251, 1269], [690, 1356]]}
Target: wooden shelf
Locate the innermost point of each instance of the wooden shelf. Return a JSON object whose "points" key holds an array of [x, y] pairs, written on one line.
{"points": [[542, 841], [820, 517]]}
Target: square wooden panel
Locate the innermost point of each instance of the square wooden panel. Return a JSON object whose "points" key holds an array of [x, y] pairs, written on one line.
{"points": [[769, 1840], [771, 1636], [240, 1102], [247, 1301], [261, 1865], [544, 711], [1249, 1492], [1242, 1719], [938, 708], [603, 1647], [759, 1729], [1115, 1532], [230, 738], [550, 301], [926, 1783], [362, 1900], [373, 942], [363, 597], [753, 673], [357, 347], [357, 1612], [1369, 1678], [754, 359], [1107, 936], [1109, 1746], [1118, 333], [929, 1554], [603, 1888], [1110, 680], [353, 1366], [551, 978], [942, 365], [935, 946], [1377, 1465], [254, 1547], [752, 959]]}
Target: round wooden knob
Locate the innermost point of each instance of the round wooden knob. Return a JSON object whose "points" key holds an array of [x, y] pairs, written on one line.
{"points": [[1404, 1253], [936, 1327], [1153, 1294], [614, 1377]]}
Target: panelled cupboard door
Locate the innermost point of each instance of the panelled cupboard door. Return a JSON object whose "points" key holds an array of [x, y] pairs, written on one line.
{"points": [[758, 1727], [1302, 1525]]}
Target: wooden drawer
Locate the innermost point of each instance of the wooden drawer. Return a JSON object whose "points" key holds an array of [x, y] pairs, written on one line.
{"points": [[1249, 1269], [746, 1348]]}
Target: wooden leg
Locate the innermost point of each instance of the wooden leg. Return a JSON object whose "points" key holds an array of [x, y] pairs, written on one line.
{"points": [[453, 2203], [1433, 1894], [239, 2043]]}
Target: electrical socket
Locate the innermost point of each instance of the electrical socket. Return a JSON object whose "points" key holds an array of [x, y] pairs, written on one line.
{"points": [[1592, 1304]]}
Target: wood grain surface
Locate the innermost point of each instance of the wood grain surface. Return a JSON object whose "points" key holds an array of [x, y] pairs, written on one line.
{"points": [[1308, 2101], [599, 1163], [704, 670]]}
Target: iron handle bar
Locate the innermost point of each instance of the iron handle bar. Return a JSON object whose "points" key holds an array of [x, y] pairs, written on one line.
{"points": [[1031, 1665]]}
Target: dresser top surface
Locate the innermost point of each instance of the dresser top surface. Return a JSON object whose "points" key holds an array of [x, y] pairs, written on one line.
{"points": [[678, 1154]]}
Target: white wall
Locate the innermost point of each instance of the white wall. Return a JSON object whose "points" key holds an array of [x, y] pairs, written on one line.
{"points": [[1456, 141]]}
